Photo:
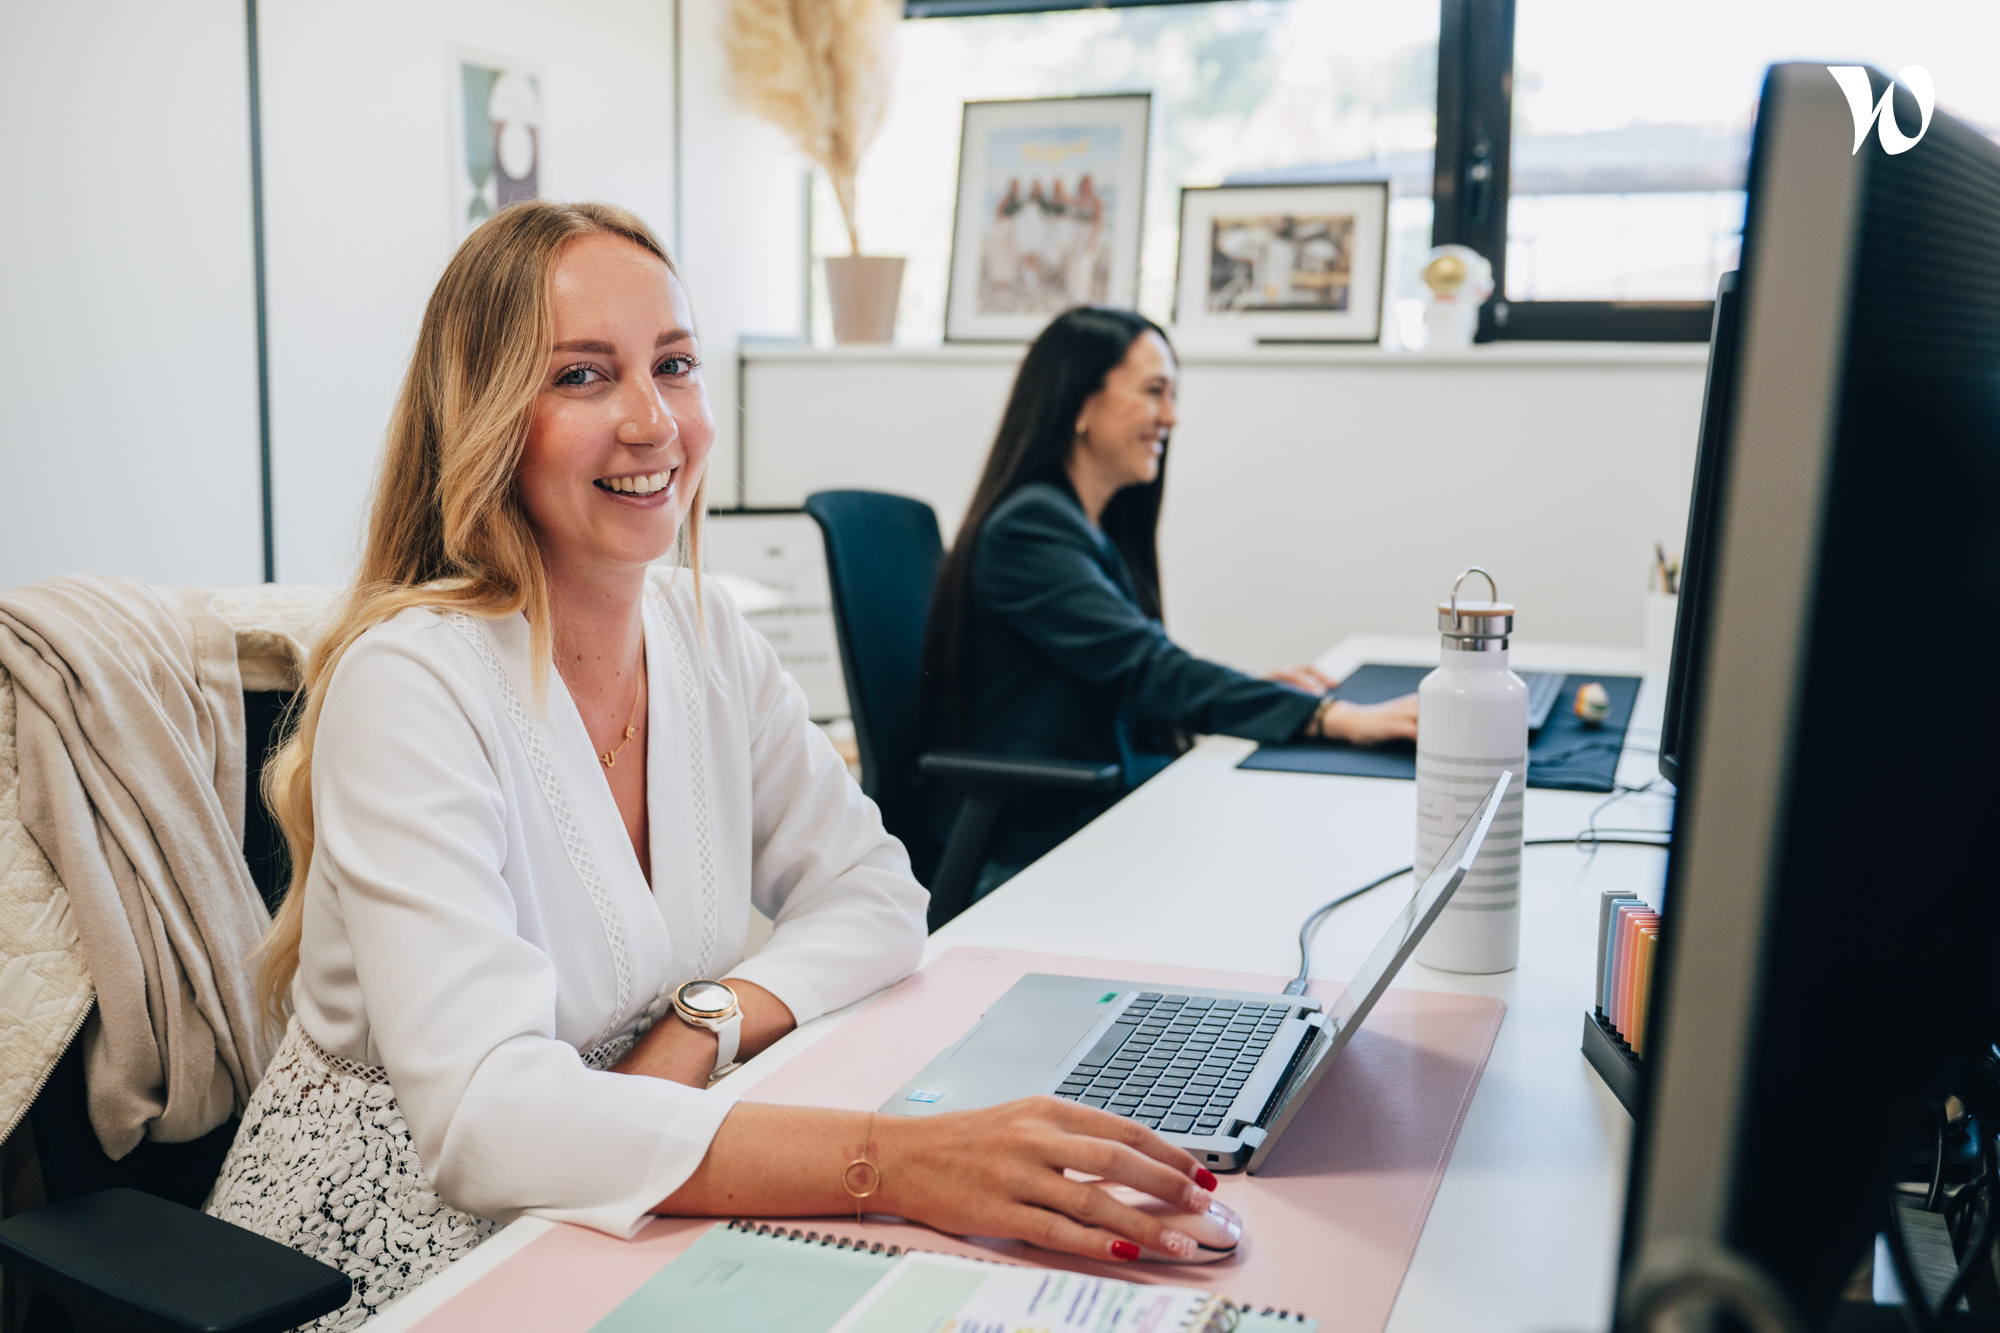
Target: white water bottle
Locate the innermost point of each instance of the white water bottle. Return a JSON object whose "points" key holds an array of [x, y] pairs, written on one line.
{"points": [[1472, 722]]}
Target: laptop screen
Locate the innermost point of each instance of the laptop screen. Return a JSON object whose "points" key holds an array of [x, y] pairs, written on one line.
{"points": [[1374, 975]]}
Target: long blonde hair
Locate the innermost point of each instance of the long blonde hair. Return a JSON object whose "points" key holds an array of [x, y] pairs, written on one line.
{"points": [[446, 528]]}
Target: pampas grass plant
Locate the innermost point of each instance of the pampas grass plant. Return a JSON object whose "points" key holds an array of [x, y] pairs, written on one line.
{"points": [[819, 70]]}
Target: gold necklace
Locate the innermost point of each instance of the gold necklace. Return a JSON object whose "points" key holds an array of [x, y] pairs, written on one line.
{"points": [[610, 757]]}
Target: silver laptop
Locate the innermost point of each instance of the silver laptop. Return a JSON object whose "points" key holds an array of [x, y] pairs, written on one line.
{"points": [[1221, 1073]]}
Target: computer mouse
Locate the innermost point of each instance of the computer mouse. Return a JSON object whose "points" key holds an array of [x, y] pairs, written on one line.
{"points": [[1218, 1233]]}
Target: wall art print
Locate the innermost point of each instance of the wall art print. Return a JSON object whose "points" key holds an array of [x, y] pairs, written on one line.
{"points": [[1049, 201], [1283, 263], [497, 135]]}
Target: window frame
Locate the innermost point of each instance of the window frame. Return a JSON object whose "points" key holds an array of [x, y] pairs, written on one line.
{"points": [[1470, 189]]}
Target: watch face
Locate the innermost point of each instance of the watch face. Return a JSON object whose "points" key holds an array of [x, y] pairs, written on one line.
{"points": [[707, 997]]}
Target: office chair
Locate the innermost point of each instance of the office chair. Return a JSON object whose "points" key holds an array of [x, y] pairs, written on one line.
{"points": [[882, 557], [122, 1245]]}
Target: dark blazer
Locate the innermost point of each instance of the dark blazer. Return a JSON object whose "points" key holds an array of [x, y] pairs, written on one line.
{"points": [[1066, 665]]}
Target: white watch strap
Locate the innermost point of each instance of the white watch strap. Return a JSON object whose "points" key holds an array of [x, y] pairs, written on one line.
{"points": [[727, 1034]]}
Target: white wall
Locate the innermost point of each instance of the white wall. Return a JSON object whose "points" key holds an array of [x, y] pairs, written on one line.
{"points": [[742, 244], [128, 367], [1314, 493], [1311, 493], [128, 398], [358, 205]]}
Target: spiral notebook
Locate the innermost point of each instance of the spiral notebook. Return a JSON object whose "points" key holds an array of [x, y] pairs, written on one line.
{"points": [[756, 1278]]}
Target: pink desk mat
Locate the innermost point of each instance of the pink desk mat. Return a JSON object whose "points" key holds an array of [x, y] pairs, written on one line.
{"points": [[1330, 1222]]}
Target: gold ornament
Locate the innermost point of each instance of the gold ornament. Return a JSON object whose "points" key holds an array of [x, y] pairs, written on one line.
{"points": [[1446, 275]]}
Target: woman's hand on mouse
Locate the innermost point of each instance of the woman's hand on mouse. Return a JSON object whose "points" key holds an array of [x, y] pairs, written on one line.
{"points": [[1219, 1230], [1367, 724], [1002, 1172]]}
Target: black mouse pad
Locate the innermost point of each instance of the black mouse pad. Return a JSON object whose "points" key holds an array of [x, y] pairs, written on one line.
{"points": [[1566, 755]]}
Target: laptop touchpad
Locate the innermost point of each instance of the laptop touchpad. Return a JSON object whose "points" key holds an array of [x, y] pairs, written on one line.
{"points": [[1026, 1037]]}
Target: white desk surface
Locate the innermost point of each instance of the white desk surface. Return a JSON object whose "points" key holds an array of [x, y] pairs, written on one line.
{"points": [[1211, 866]]}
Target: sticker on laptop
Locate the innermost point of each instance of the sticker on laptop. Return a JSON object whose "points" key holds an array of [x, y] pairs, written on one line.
{"points": [[920, 1095]]}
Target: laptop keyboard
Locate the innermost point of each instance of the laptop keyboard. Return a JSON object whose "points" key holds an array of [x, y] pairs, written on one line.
{"points": [[1175, 1062]]}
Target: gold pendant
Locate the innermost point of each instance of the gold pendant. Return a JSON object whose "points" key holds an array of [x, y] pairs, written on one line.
{"points": [[609, 758]]}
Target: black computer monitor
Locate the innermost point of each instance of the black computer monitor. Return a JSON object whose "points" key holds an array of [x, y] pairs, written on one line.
{"points": [[1832, 912], [1710, 458]]}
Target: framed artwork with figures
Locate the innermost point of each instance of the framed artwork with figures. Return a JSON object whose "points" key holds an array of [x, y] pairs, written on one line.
{"points": [[496, 134], [1283, 263], [1050, 198]]}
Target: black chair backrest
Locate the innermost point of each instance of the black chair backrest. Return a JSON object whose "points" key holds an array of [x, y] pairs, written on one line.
{"points": [[882, 556], [73, 1162], [264, 717]]}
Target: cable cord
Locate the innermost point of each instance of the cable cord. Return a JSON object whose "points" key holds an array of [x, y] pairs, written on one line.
{"points": [[1620, 792], [1957, 1209], [1588, 840], [1935, 1194], [1975, 1254], [1298, 983]]}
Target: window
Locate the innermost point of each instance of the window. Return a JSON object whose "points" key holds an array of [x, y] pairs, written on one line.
{"points": [[1629, 139], [1628, 174], [1239, 87]]}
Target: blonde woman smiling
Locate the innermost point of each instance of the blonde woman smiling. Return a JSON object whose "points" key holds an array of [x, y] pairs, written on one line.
{"points": [[534, 792]]}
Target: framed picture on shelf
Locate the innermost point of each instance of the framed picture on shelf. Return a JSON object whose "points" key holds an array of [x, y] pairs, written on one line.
{"points": [[1283, 263], [1050, 194]]}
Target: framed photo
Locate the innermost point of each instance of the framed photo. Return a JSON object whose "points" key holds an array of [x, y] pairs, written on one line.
{"points": [[496, 134], [1283, 263], [1050, 199]]}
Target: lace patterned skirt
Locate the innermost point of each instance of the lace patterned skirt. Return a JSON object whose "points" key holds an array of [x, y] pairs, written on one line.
{"points": [[324, 1163]]}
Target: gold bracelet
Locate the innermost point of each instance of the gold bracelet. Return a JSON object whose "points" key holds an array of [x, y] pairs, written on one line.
{"points": [[865, 1170], [1318, 728]]}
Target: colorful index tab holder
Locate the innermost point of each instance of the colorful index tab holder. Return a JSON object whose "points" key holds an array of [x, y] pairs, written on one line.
{"points": [[1614, 1032]]}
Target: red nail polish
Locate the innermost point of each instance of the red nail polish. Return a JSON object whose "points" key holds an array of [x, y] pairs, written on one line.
{"points": [[1124, 1249], [1204, 1177]]}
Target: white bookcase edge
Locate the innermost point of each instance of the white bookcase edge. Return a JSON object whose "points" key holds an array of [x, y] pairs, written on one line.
{"points": [[1610, 355]]}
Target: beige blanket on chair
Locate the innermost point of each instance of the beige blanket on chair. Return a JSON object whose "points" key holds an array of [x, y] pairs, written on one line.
{"points": [[130, 731]]}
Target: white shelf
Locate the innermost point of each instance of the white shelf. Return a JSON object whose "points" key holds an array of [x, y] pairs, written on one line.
{"points": [[1610, 355]]}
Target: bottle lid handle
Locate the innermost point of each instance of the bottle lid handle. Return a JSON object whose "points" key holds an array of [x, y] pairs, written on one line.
{"points": [[1491, 587]]}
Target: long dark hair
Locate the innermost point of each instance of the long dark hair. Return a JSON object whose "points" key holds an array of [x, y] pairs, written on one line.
{"points": [[1066, 365]]}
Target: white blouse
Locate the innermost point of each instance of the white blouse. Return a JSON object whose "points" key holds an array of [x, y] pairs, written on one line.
{"points": [[476, 922]]}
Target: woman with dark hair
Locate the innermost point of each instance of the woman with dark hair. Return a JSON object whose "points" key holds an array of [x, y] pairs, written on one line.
{"points": [[1045, 636]]}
